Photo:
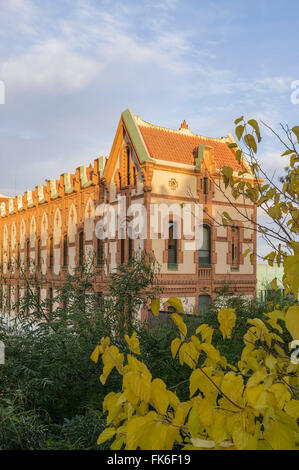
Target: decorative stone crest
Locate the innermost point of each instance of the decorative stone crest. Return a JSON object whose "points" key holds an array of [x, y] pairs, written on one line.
{"points": [[173, 184]]}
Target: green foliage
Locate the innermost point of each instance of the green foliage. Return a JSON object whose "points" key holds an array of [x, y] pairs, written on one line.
{"points": [[49, 387]]}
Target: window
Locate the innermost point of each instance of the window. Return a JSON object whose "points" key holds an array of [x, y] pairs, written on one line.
{"points": [[51, 253], [172, 245], [204, 253], [38, 253], [81, 248], [130, 241], [100, 252], [204, 302], [235, 247], [18, 299], [38, 298], [28, 252], [9, 298], [128, 167], [65, 250], [18, 255], [122, 251], [205, 185], [50, 300]]}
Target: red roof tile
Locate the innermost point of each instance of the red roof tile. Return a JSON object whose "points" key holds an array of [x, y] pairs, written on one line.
{"points": [[181, 148]]}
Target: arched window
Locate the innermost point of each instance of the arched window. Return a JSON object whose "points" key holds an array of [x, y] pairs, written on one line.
{"points": [[204, 252], [28, 252], [100, 252], [38, 253], [204, 302], [172, 245], [51, 253], [235, 246], [127, 173], [65, 250], [18, 255], [122, 245], [50, 300], [128, 167], [81, 248]]}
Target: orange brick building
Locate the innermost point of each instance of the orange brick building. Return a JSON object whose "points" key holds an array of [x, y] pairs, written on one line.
{"points": [[53, 226]]}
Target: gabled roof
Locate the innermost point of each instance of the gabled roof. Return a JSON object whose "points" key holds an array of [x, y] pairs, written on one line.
{"points": [[180, 146]]}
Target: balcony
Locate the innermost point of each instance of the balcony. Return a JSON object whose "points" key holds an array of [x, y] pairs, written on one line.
{"points": [[204, 272]]}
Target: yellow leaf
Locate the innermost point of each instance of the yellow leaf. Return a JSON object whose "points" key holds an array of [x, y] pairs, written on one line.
{"points": [[193, 422], [159, 396], [291, 271], [206, 332], [133, 343], [117, 443], [176, 303], [155, 306], [281, 393], [107, 434], [95, 354], [175, 344], [206, 410], [292, 321], [273, 284], [280, 436], [180, 324], [227, 320], [292, 408]]}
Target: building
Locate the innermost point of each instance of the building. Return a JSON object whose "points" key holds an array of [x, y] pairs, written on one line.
{"points": [[176, 172], [266, 274]]}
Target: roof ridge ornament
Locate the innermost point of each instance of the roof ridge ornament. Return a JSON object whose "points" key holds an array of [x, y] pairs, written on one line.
{"points": [[184, 125]]}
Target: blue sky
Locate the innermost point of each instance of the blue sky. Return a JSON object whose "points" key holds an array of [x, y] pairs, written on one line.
{"points": [[70, 67]]}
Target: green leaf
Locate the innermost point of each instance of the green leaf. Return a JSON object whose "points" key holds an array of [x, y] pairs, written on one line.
{"points": [[238, 155], [253, 123], [239, 131], [287, 152], [227, 216], [233, 145], [246, 252], [250, 142], [239, 120], [296, 132]]}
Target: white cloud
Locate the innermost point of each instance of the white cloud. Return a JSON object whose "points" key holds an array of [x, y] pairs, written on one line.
{"points": [[51, 66]]}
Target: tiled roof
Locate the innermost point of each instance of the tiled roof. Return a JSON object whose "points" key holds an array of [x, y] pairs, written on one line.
{"points": [[181, 147]]}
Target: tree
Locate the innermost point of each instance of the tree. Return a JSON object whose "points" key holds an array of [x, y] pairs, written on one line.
{"points": [[252, 406]]}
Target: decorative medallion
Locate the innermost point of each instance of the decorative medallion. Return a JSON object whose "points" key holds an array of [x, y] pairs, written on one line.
{"points": [[173, 184]]}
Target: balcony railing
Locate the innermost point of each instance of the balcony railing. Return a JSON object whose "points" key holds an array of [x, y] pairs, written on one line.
{"points": [[204, 272]]}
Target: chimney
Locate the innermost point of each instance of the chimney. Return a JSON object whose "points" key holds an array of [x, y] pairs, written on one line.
{"points": [[184, 125]]}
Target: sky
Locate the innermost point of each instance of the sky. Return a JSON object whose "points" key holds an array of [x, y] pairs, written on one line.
{"points": [[70, 67]]}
